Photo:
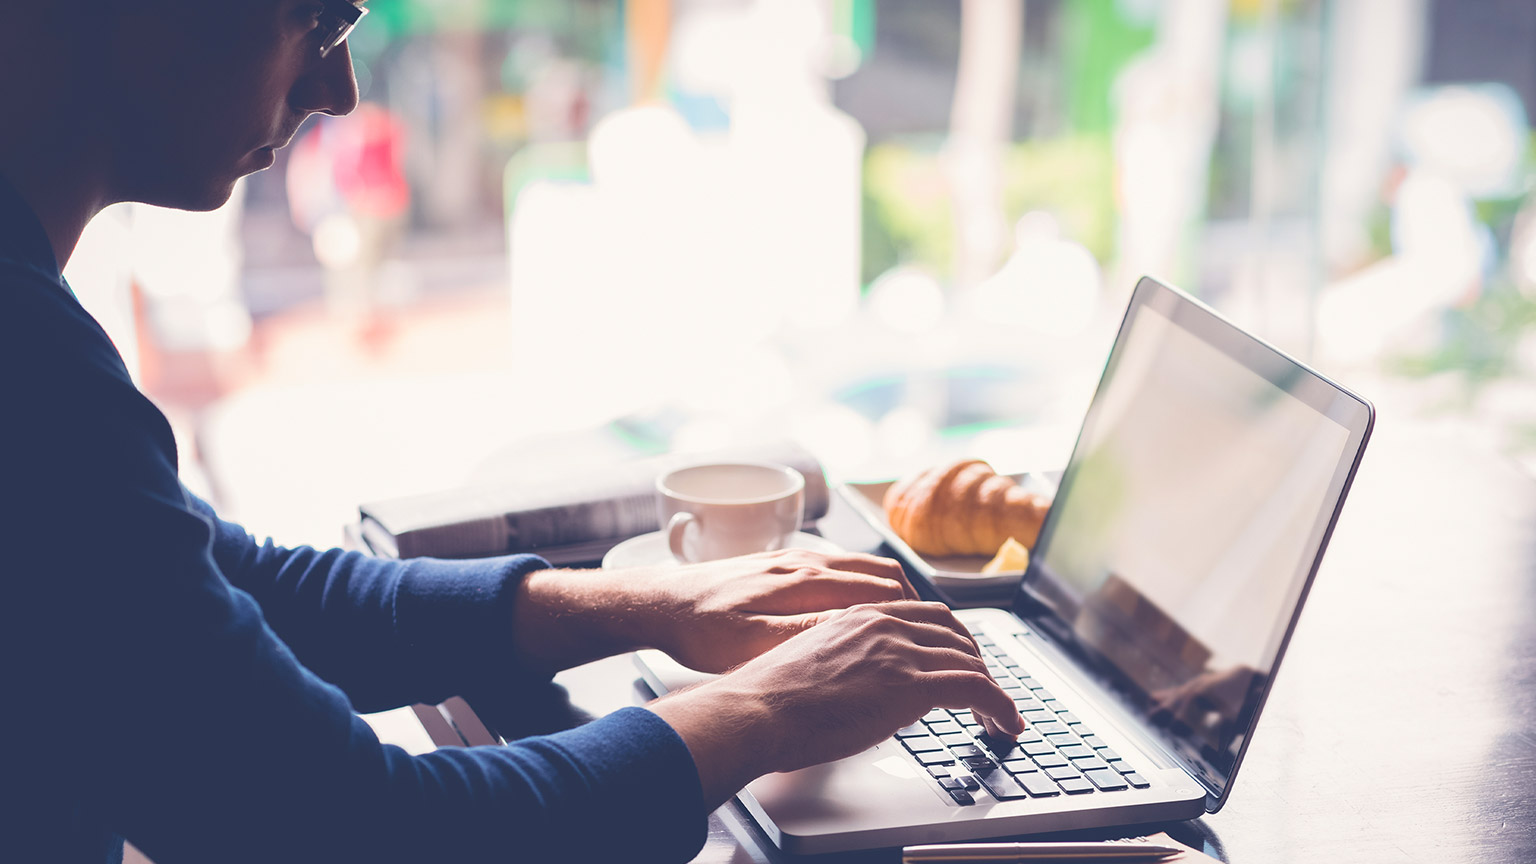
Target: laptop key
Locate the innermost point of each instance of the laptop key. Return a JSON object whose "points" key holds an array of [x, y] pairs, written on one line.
{"points": [[1036, 784], [938, 757], [1038, 748], [925, 744], [1108, 755], [967, 750], [939, 772], [1063, 772], [1051, 728], [957, 740], [1077, 751], [914, 731], [969, 781], [1107, 780], [937, 715], [978, 763], [1123, 767], [1076, 786], [951, 783], [961, 797], [1091, 763], [1002, 748], [1019, 766], [1137, 780], [948, 727], [1094, 741], [1062, 739], [1051, 760], [1000, 783]]}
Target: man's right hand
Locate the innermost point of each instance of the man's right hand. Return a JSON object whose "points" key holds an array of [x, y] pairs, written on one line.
{"points": [[832, 691]]}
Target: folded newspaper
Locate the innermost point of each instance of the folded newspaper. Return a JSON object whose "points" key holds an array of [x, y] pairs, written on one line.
{"points": [[570, 517]]}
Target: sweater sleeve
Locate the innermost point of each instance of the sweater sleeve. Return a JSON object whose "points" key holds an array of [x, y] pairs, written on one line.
{"points": [[386, 632], [178, 717]]}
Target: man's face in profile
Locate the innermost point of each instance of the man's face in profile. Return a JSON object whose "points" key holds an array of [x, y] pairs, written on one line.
{"points": [[196, 95]]}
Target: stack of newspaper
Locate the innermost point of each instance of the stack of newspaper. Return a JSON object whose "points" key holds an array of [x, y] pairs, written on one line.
{"points": [[571, 517]]}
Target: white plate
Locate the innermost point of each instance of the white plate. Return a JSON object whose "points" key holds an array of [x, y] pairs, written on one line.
{"points": [[650, 549], [959, 575]]}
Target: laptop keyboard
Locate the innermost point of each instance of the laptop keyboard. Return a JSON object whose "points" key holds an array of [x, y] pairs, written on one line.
{"points": [[1057, 754]]}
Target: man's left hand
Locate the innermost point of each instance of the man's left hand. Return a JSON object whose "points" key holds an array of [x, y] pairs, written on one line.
{"points": [[718, 614], [709, 616]]}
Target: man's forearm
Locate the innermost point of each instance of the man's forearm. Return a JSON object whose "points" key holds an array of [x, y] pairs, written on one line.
{"points": [[564, 618], [714, 721]]}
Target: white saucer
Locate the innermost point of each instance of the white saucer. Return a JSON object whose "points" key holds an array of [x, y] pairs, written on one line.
{"points": [[649, 549]]}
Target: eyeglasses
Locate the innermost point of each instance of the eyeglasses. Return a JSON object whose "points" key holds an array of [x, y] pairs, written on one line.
{"points": [[336, 23]]}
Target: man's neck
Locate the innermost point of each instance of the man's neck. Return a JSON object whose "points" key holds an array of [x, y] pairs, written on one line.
{"points": [[46, 148], [63, 208]]}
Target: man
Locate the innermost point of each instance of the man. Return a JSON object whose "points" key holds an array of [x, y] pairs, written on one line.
{"points": [[170, 680]]}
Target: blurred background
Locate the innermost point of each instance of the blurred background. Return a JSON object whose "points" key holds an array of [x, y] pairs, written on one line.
{"points": [[565, 232]]}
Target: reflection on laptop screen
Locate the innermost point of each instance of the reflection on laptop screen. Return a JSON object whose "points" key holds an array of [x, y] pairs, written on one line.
{"points": [[1187, 524]]}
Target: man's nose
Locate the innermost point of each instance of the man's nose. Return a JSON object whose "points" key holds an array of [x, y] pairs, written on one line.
{"points": [[328, 86]]}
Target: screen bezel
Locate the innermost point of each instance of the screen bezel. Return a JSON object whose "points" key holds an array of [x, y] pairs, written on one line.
{"points": [[1330, 399]]}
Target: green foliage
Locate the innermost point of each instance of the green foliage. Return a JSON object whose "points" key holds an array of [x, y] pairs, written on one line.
{"points": [[908, 217], [1379, 229], [1479, 339], [878, 250], [1071, 177], [571, 18], [1098, 40]]}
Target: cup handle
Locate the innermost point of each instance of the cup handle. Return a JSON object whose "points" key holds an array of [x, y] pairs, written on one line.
{"points": [[676, 527]]}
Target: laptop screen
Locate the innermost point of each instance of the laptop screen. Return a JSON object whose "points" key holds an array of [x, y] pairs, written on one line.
{"points": [[1189, 522]]}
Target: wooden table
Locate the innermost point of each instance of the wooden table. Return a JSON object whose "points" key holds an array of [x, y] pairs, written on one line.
{"points": [[1402, 726]]}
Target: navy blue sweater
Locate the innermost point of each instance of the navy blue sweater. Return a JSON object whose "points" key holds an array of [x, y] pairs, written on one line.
{"points": [[168, 679]]}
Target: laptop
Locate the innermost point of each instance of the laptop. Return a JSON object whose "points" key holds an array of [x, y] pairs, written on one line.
{"points": [[1144, 637]]}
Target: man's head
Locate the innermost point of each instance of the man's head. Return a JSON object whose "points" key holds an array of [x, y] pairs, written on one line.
{"points": [[175, 100]]}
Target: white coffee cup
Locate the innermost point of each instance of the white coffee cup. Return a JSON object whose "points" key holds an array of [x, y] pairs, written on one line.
{"points": [[725, 509]]}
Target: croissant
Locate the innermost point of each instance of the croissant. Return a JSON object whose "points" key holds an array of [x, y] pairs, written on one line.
{"points": [[964, 508]]}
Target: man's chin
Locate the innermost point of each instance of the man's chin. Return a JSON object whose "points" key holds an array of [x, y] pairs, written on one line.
{"points": [[211, 199], [202, 198], [194, 190]]}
